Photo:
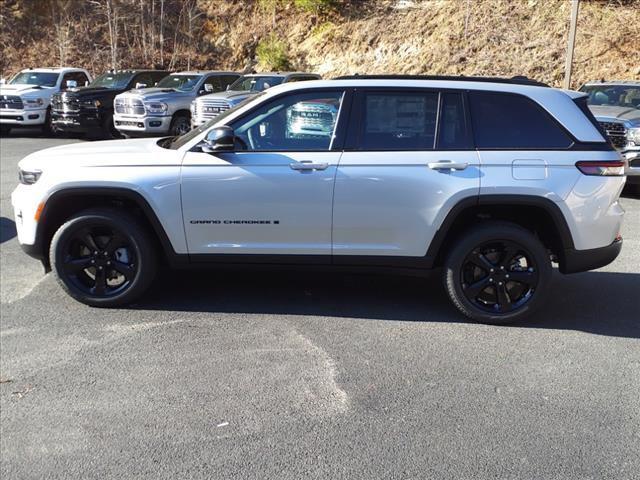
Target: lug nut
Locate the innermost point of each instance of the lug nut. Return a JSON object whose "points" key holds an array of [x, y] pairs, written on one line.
{"points": [[491, 270], [506, 276], [500, 283], [491, 280]]}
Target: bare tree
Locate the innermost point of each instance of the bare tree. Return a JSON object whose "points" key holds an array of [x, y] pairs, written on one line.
{"points": [[61, 16]]}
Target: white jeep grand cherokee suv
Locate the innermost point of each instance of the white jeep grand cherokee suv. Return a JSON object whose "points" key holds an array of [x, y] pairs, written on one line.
{"points": [[491, 179]]}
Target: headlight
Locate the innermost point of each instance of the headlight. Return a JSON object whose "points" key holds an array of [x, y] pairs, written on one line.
{"points": [[91, 103], [29, 177], [633, 136], [33, 102], [155, 108]]}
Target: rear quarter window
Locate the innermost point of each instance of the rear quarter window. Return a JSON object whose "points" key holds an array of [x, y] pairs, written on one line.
{"points": [[513, 122]]}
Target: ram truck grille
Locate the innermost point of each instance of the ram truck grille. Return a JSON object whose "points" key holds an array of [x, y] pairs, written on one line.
{"points": [[207, 109], [64, 103], [13, 102], [129, 106], [616, 133]]}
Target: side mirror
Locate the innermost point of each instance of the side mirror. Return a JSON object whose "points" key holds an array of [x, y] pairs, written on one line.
{"points": [[86, 83], [208, 88], [71, 84], [3, 81], [228, 87], [218, 139], [141, 85]]}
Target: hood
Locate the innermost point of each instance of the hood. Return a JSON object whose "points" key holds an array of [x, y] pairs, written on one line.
{"points": [[20, 88], [234, 95], [611, 112], [108, 153], [155, 93], [91, 92]]}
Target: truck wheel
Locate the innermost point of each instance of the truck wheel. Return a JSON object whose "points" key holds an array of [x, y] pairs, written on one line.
{"points": [[497, 273], [110, 130], [180, 124], [47, 126], [103, 257], [5, 130]]}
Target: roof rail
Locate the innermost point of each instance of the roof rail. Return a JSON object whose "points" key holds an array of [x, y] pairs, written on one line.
{"points": [[518, 80]]}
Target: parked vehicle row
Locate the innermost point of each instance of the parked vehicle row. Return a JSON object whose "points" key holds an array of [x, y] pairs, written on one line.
{"points": [[491, 179], [127, 102], [616, 106]]}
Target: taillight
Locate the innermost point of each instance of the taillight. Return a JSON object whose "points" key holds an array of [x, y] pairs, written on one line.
{"points": [[612, 168]]}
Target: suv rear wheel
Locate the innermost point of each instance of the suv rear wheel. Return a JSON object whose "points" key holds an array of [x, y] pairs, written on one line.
{"points": [[497, 273], [103, 258]]}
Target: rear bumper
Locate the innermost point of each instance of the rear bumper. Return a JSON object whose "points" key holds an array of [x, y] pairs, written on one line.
{"points": [[583, 260]]}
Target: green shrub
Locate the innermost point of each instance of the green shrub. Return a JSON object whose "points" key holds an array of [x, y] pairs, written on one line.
{"points": [[314, 6], [272, 54]]}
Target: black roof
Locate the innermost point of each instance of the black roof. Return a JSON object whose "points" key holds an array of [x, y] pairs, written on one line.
{"points": [[518, 80]]}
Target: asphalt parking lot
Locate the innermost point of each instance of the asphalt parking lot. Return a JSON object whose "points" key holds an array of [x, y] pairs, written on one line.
{"points": [[293, 375]]}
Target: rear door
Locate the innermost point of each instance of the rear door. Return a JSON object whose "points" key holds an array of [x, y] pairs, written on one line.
{"points": [[409, 158]]}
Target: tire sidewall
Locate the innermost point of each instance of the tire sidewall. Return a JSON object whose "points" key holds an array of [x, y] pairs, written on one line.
{"points": [[174, 124], [140, 243], [496, 232]]}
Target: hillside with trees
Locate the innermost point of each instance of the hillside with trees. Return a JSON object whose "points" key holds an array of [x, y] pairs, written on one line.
{"points": [[331, 37]]}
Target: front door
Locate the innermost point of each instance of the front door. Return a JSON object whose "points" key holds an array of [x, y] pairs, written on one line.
{"points": [[273, 194]]}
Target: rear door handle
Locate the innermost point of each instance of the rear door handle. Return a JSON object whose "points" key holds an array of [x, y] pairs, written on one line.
{"points": [[304, 166], [447, 165]]}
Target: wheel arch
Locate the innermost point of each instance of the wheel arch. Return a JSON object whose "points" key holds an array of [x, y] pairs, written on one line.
{"points": [[64, 203], [537, 214]]}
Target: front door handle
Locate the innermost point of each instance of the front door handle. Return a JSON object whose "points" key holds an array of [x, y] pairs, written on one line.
{"points": [[447, 165], [304, 166]]}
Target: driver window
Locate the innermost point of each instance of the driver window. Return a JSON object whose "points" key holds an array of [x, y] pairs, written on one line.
{"points": [[299, 122]]}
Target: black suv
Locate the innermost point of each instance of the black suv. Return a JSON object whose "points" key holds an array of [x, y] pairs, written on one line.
{"points": [[89, 110]]}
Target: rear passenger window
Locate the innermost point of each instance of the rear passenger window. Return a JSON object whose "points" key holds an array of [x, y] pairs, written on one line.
{"points": [[399, 121], [506, 121], [453, 131]]}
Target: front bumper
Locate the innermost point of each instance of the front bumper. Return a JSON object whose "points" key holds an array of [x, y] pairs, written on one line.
{"points": [[583, 260], [150, 125], [633, 172], [77, 122], [22, 118], [197, 121]]}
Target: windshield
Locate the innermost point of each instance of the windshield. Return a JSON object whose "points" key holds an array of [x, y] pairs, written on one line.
{"points": [[613, 95], [42, 79], [174, 143], [112, 80], [184, 83], [255, 84]]}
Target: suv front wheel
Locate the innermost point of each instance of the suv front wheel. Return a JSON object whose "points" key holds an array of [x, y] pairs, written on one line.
{"points": [[497, 273], [103, 258]]}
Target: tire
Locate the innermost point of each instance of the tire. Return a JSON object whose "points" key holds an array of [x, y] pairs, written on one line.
{"points": [[5, 130], [113, 242], [47, 126], [497, 273], [110, 130], [180, 124]]}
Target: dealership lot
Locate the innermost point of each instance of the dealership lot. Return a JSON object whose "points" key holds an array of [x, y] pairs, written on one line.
{"points": [[294, 375]]}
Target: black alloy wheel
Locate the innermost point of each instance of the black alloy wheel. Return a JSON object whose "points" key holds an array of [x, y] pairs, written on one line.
{"points": [[100, 261], [497, 272], [103, 257], [499, 276]]}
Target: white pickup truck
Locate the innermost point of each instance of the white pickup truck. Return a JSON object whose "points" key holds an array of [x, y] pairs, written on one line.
{"points": [[25, 100]]}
